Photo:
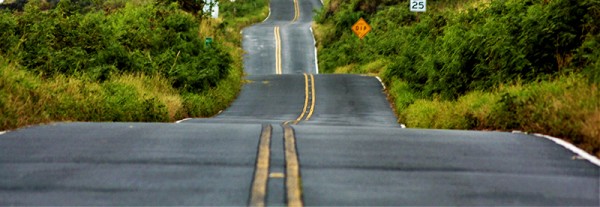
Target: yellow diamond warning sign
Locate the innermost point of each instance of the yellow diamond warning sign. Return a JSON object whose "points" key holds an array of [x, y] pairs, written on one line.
{"points": [[361, 28]]}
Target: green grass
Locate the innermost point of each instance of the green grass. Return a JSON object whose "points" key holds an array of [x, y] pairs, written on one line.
{"points": [[476, 64], [227, 29], [567, 107], [28, 97]]}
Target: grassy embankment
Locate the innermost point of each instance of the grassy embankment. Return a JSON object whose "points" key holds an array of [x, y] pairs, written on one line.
{"points": [[528, 65], [119, 60]]}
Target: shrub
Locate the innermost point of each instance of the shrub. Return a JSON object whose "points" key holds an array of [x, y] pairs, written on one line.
{"points": [[82, 39], [111, 61], [450, 68], [449, 53]]}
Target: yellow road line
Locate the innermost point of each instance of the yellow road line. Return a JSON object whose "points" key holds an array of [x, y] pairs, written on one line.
{"points": [[277, 51], [309, 95], [305, 99], [261, 174], [296, 11], [313, 99], [276, 175], [292, 166]]}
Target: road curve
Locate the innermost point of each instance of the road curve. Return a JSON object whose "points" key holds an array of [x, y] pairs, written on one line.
{"points": [[293, 20], [293, 137]]}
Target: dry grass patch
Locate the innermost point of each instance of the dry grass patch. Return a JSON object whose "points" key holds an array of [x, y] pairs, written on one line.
{"points": [[155, 86], [568, 108]]}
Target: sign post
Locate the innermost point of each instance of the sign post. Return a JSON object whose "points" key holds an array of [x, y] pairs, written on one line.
{"points": [[418, 5], [361, 28]]}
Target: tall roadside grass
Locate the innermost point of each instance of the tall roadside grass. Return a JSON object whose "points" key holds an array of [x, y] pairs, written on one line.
{"points": [[240, 14], [27, 98], [141, 84], [506, 65], [567, 107]]}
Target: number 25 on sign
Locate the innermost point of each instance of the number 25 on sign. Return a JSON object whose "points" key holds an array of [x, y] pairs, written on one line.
{"points": [[418, 5]]}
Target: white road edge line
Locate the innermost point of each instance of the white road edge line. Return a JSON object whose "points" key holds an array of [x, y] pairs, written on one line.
{"points": [[177, 122], [380, 81], [403, 126], [315, 43], [567, 145], [573, 148], [269, 15], [2, 132]]}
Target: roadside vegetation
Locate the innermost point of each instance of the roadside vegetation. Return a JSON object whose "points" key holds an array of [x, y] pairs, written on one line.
{"points": [[527, 65], [119, 60]]}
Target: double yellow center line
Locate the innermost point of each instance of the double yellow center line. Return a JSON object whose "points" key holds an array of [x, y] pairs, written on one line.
{"points": [[293, 182], [277, 33], [292, 165], [309, 96], [278, 70]]}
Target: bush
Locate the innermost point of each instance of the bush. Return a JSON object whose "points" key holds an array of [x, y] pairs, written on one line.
{"points": [[29, 99], [8, 37], [113, 60], [450, 68], [567, 107], [82, 39], [449, 53], [193, 6]]}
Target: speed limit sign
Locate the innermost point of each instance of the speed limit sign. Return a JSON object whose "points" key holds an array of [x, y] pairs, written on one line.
{"points": [[418, 5]]}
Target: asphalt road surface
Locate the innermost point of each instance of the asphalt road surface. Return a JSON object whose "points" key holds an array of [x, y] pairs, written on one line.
{"points": [[293, 137]]}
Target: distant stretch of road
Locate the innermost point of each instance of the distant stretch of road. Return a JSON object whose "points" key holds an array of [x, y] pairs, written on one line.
{"points": [[293, 137]]}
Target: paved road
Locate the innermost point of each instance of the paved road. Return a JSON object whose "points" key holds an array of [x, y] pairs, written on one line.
{"points": [[128, 164], [292, 137]]}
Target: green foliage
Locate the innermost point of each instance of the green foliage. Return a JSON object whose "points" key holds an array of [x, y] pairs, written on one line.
{"points": [[237, 9], [567, 107], [117, 60], [449, 53], [450, 67], [193, 6], [28, 98], [243, 12], [8, 35], [588, 55], [81, 39]]}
